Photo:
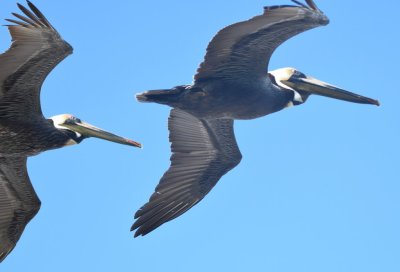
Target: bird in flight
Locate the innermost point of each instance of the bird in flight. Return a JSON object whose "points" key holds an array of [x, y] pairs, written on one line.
{"points": [[36, 49], [232, 83]]}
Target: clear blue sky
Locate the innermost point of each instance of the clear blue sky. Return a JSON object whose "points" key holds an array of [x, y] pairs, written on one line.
{"points": [[318, 187]]}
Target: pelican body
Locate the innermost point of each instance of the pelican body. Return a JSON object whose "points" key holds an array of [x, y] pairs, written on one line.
{"points": [[36, 49], [231, 83]]}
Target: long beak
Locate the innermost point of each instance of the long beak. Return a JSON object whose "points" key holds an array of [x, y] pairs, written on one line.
{"points": [[314, 86], [88, 130]]}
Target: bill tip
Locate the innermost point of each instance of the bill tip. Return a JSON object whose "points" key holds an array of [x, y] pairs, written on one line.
{"points": [[135, 144]]}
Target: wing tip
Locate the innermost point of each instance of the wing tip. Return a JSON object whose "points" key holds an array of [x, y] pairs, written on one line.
{"points": [[141, 230], [298, 4], [310, 6], [33, 17]]}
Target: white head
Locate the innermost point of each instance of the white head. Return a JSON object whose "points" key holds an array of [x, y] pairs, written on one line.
{"points": [[60, 121], [283, 74]]}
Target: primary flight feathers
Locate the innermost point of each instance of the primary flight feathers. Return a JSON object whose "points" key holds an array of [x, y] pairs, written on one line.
{"points": [[35, 50], [231, 83]]}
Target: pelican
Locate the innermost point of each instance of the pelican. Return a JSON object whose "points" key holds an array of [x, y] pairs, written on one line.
{"points": [[36, 49], [231, 83]]}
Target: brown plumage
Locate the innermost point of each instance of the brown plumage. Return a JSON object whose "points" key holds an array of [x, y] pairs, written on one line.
{"points": [[36, 49], [231, 83]]}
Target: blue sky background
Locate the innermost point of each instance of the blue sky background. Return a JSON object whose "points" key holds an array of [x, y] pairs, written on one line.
{"points": [[317, 189]]}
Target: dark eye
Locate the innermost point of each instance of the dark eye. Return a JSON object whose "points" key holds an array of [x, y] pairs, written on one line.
{"points": [[299, 74], [72, 120], [76, 120]]}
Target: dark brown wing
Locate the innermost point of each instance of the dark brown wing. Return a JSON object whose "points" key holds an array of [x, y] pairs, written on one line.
{"points": [[243, 50], [202, 152], [18, 202], [36, 49]]}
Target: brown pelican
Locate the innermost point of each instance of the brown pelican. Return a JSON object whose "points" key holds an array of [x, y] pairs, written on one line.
{"points": [[36, 49], [231, 83]]}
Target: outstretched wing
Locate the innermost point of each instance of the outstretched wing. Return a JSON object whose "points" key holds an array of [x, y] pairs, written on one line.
{"points": [[243, 50], [36, 49], [202, 152], [18, 202]]}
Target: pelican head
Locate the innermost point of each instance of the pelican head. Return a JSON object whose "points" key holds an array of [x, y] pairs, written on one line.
{"points": [[303, 86], [79, 130]]}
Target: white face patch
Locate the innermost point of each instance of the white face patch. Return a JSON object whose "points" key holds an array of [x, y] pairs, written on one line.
{"points": [[60, 120], [70, 142], [284, 74], [289, 104], [297, 97]]}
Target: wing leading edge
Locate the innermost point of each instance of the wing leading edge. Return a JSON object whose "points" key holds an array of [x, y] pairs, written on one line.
{"points": [[243, 50]]}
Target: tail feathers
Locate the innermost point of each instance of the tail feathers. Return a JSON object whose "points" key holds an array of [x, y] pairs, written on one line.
{"points": [[165, 96]]}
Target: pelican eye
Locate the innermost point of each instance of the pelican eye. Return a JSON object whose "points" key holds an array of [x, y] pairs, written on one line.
{"points": [[299, 74], [72, 120]]}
